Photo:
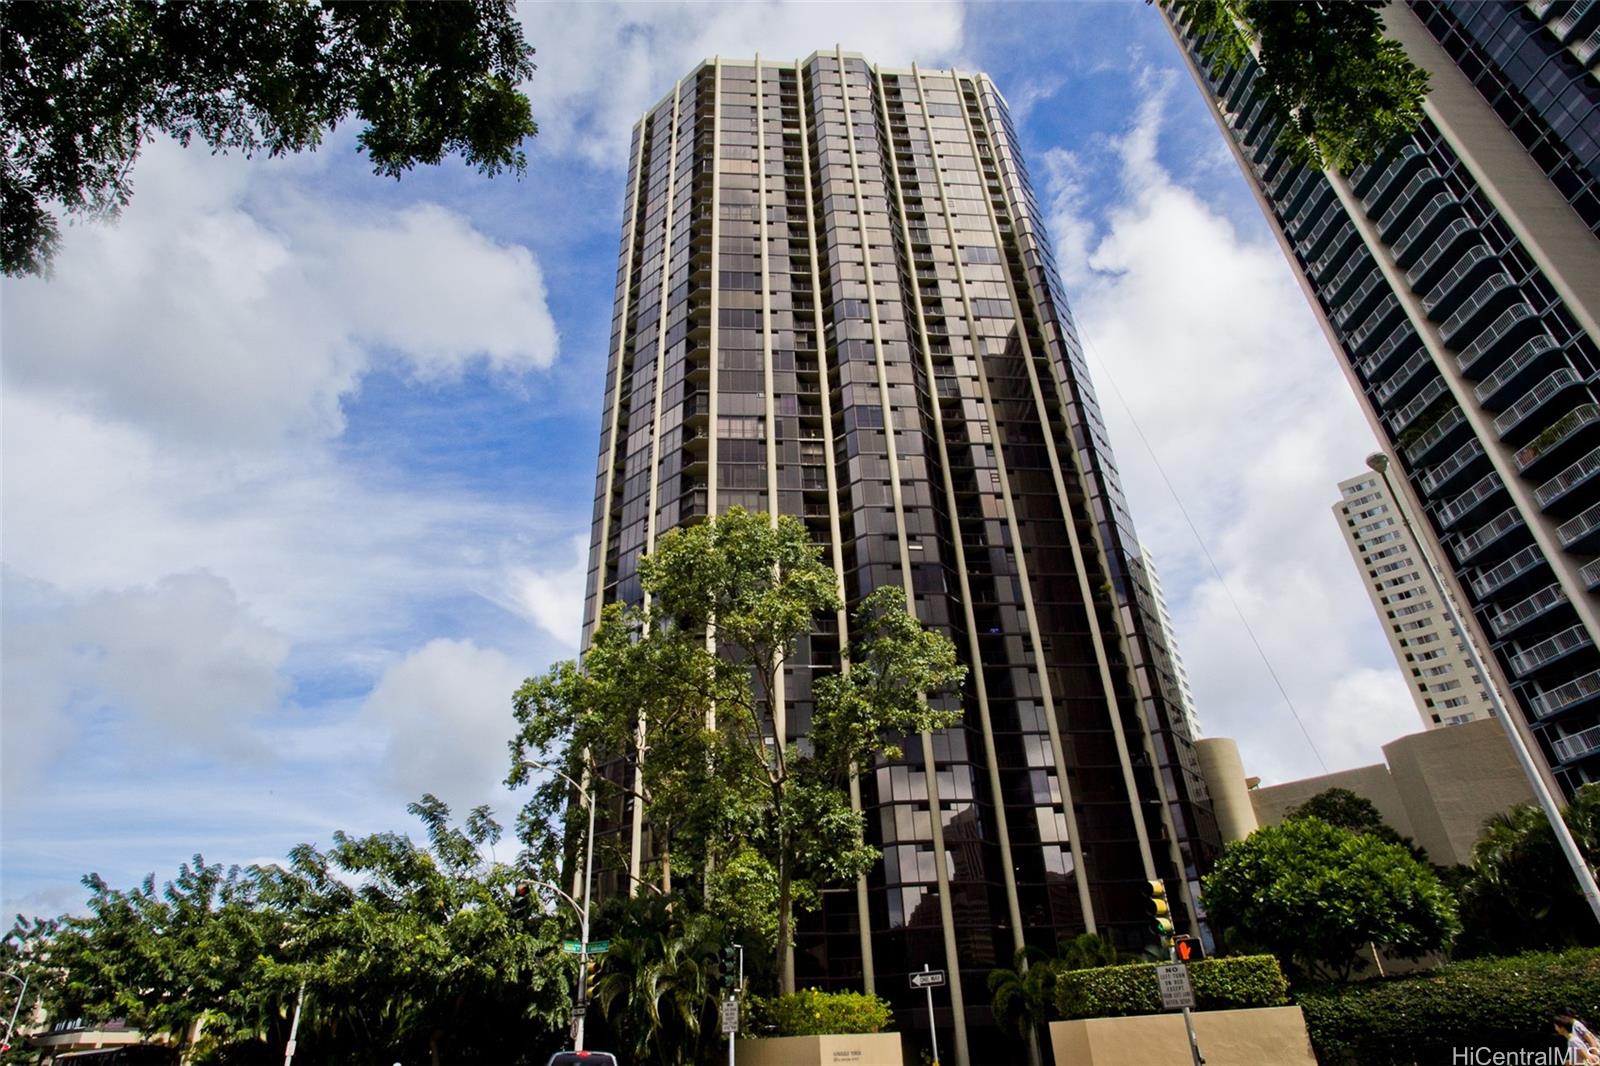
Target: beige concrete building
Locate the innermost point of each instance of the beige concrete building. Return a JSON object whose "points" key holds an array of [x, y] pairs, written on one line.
{"points": [[1436, 787], [1428, 648]]}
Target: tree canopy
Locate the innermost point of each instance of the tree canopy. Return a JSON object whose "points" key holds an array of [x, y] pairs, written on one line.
{"points": [[84, 84], [1314, 895], [1343, 89]]}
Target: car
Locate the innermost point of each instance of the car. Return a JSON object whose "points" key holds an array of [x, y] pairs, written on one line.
{"points": [[582, 1058]]}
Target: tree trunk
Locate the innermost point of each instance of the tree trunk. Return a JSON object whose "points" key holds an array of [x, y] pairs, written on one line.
{"points": [[785, 919], [433, 1046]]}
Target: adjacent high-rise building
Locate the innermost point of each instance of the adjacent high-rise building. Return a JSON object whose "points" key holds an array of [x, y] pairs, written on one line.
{"points": [[1431, 653], [1457, 277], [835, 300], [1169, 637]]}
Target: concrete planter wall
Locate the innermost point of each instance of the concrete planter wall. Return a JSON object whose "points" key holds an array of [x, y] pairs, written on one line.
{"points": [[846, 1049], [1227, 1038]]}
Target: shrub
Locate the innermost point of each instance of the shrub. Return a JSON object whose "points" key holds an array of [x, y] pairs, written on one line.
{"points": [[1504, 1004], [810, 1012], [1219, 984]]}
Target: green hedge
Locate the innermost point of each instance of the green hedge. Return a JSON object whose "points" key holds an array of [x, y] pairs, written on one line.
{"points": [[1503, 1004], [813, 1013], [1219, 984]]}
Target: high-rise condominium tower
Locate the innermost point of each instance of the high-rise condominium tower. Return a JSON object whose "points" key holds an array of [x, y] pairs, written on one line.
{"points": [[1431, 653], [1458, 279], [835, 300], [1169, 637]]}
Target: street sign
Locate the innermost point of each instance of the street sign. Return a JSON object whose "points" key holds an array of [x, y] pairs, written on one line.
{"points": [[579, 1010], [730, 1016], [572, 947], [928, 979], [599, 947], [596, 947], [1176, 991]]}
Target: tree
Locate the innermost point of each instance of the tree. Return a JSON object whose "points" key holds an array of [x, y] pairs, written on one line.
{"points": [[718, 783], [86, 83], [1314, 895], [1522, 895], [1343, 808], [660, 981], [1343, 90], [1024, 997]]}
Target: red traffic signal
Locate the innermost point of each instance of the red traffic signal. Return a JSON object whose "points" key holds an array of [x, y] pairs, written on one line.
{"points": [[1188, 948]]}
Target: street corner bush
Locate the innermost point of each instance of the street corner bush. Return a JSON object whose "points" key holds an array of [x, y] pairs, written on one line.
{"points": [[1231, 983], [1504, 1004], [811, 1012]]}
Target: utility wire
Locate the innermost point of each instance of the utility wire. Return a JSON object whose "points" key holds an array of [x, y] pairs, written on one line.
{"points": [[1103, 370]]}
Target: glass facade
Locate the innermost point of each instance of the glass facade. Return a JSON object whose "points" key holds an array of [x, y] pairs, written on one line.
{"points": [[1472, 368], [835, 300]]}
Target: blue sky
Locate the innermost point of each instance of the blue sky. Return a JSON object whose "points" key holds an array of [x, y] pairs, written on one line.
{"points": [[298, 461]]}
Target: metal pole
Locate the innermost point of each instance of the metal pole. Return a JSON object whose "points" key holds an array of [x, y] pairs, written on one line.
{"points": [[1188, 1019], [294, 1026], [21, 995], [583, 958], [1552, 811], [933, 1030]]}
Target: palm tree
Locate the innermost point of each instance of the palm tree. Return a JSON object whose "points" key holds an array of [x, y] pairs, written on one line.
{"points": [[660, 982]]}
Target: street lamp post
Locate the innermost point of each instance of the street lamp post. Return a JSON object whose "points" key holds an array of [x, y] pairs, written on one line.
{"points": [[583, 911], [1379, 462], [21, 995]]}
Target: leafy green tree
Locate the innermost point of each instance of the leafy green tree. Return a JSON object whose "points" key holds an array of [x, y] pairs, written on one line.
{"points": [[719, 787], [1315, 895], [1522, 895], [1343, 89], [662, 978], [86, 83], [1024, 997], [1347, 810]]}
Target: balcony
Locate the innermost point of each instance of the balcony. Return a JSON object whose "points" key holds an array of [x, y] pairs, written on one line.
{"points": [[1379, 321], [1342, 246], [1520, 614], [1452, 513], [1591, 574], [1460, 459], [1498, 577], [1439, 302], [1577, 746], [1579, 690], [1396, 382], [1372, 366], [1435, 258], [1311, 243], [1333, 291], [1487, 534], [1548, 651], [1579, 534], [1566, 428], [1419, 403], [1535, 399], [1526, 358], [1357, 300], [1439, 210], [1513, 323], [1370, 180], [1408, 203], [1579, 473], [1496, 290], [1418, 449]]}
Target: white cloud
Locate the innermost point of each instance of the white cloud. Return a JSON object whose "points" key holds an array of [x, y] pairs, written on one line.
{"points": [[601, 65], [551, 598], [1204, 331], [446, 710], [229, 307]]}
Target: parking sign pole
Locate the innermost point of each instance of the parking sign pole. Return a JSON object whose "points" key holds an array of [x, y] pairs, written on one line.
{"points": [[933, 1029], [1188, 1022]]}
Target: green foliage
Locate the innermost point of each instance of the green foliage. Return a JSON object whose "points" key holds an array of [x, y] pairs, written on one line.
{"points": [[775, 820], [1232, 983], [1522, 895], [1343, 808], [1086, 952], [810, 1012], [1024, 997], [1314, 895], [86, 83], [1343, 89], [661, 979], [1503, 1004]]}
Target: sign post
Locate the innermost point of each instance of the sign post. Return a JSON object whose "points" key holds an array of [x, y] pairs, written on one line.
{"points": [[1178, 994], [928, 980]]}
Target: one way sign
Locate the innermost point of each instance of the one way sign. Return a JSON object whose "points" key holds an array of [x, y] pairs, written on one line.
{"points": [[928, 979]]}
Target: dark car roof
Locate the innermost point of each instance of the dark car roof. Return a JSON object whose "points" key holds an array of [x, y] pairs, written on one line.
{"points": [[582, 1058]]}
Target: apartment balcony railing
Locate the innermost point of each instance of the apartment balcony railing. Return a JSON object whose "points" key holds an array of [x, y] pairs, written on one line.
{"points": [[1438, 211], [1397, 381], [1463, 505], [1357, 300], [1345, 243], [1487, 534], [1417, 404], [1371, 367], [1549, 650], [1311, 243], [1290, 175], [1458, 460], [1419, 448], [1494, 289], [1590, 574], [1407, 204], [1439, 301], [1381, 319], [1535, 398], [1499, 576], [1580, 530], [1432, 259], [1334, 289], [1369, 180], [1579, 473], [1287, 192], [1558, 434], [1578, 745], [1574, 692], [1320, 200], [1511, 322], [1521, 361], [1520, 614]]}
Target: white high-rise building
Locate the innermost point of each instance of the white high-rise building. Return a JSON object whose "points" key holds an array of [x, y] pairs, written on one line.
{"points": [[1169, 637], [1430, 651]]}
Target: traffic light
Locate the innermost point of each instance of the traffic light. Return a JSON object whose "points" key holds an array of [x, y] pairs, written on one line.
{"points": [[730, 966], [1160, 910], [591, 977], [1188, 948], [522, 900]]}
